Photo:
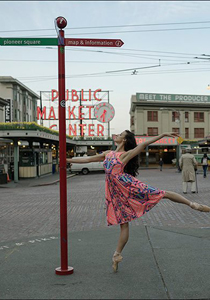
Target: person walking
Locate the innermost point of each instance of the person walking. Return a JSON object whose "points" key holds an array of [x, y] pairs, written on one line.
{"points": [[204, 162], [188, 166], [161, 164], [128, 198]]}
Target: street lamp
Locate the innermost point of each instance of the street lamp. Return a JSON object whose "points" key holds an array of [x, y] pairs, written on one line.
{"points": [[178, 120]]}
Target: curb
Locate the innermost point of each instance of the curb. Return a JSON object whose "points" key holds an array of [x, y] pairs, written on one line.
{"points": [[53, 182]]}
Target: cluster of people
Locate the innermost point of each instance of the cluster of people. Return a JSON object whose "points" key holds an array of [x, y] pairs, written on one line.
{"points": [[128, 198]]}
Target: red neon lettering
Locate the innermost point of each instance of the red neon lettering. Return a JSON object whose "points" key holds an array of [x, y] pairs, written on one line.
{"points": [[90, 130], [89, 94], [94, 94], [54, 94], [41, 113], [67, 95], [74, 96], [51, 113], [169, 140], [53, 126], [81, 113], [82, 128], [100, 130], [82, 96], [71, 112], [71, 130], [89, 106]]}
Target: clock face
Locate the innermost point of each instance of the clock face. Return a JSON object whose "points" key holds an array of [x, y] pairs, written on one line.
{"points": [[104, 112]]}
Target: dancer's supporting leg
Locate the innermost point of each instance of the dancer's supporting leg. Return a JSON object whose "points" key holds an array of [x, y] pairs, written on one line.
{"points": [[180, 199], [124, 235]]}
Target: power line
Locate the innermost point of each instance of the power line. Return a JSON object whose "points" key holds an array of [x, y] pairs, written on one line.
{"points": [[109, 26], [121, 32], [103, 73]]}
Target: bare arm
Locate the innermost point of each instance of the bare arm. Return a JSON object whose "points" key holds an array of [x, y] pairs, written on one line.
{"points": [[138, 149], [88, 159]]}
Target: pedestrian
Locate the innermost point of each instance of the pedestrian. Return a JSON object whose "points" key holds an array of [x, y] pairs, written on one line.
{"points": [[188, 166], [127, 198], [161, 164], [204, 162]]}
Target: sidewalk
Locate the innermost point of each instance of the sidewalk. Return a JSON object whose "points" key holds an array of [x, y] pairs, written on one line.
{"points": [[167, 256], [158, 263], [38, 181]]}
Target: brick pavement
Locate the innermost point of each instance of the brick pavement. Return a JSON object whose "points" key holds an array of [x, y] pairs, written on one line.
{"points": [[34, 211]]}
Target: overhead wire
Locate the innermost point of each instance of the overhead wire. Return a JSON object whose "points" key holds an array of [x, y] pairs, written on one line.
{"points": [[109, 26]]}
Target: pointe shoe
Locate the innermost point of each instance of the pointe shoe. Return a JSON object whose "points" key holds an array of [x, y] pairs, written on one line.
{"points": [[200, 207], [117, 257]]}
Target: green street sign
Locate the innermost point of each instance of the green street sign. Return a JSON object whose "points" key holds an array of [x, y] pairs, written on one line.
{"points": [[172, 97], [28, 42]]}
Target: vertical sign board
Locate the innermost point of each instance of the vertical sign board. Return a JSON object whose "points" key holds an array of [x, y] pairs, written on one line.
{"points": [[8, 112]]}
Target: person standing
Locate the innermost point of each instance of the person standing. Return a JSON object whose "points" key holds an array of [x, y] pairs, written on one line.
{"points": [[204, 162], [188, 165], [161, 164]]}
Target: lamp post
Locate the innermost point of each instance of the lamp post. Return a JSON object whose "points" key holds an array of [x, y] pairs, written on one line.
{"points": [[178, 152], [178, 146]]}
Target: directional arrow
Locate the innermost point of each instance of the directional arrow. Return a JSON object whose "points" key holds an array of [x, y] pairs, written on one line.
{"points": [[93, 42]]}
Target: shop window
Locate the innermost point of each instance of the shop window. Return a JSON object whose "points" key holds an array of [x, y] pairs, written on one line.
{"points": [[198, 116], [187, 133], [175, 116], [152, 131], [186, 115], [176, 130], [152, 116], [198, 132]]}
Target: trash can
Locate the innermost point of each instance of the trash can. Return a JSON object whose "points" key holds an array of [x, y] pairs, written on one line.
{"points": [[3, 178]]}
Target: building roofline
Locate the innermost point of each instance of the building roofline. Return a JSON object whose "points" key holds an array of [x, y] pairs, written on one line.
{"points": [[177, 105], [3, 102], [10, 79]]}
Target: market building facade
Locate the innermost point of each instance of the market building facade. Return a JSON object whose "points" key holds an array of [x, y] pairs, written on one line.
{"points": [[152, 113], [28, 150]]}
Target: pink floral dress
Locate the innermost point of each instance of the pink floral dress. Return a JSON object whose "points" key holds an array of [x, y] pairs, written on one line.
{"points": [[127, 198]]}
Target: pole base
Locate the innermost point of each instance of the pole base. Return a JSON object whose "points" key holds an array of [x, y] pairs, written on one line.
{"points": [[69, 271]]}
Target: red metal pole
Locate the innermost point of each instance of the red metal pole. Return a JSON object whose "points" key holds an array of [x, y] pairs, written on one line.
{"points": [[64, 269]]}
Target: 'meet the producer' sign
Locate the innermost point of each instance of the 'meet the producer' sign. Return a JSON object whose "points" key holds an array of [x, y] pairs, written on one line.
{"points": [[172, 97]]}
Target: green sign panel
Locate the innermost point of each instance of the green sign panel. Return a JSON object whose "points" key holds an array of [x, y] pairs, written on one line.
{"points": [[28, 42], [172, 97]]}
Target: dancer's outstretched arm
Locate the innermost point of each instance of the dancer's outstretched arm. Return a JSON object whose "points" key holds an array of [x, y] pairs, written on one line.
{"points": [[88, 159], [138, 149]]}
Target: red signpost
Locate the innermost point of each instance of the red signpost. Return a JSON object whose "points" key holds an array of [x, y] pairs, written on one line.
{"points": [[64, 269], [62, 42]]}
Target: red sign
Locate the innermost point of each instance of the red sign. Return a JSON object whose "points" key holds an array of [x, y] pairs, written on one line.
{"points": [[94, 42]]}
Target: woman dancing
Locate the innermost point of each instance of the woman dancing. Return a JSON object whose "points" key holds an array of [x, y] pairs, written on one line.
{"points": [[127, 198]]}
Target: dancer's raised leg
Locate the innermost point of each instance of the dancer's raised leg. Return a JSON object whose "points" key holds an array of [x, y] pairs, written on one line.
{"points": [[124, 235], [180, 199]]}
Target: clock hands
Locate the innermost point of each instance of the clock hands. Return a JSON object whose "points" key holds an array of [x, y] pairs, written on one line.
{"points": [[102, 117]]}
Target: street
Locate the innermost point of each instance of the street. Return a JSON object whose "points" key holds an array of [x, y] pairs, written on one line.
{"points": [[27, 212]]}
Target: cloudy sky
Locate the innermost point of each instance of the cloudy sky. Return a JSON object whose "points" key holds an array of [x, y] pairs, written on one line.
{"points": [[167, 32]]}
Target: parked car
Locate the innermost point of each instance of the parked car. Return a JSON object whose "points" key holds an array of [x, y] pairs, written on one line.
{"points": [[86, 167]]}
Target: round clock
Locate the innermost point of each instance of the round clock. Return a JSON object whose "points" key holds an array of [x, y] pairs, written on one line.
{"points": [[104, 112]]}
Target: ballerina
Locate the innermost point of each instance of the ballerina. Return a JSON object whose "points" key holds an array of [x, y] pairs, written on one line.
{"points": [[127, 198]]}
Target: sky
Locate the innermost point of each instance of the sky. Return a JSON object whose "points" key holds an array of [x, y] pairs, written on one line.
{"points": [[166, 33]]}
